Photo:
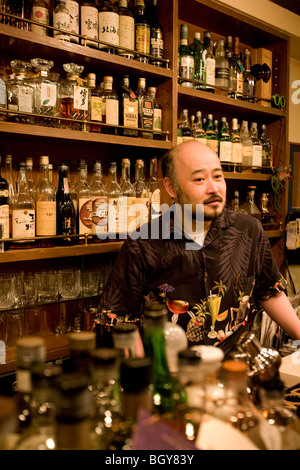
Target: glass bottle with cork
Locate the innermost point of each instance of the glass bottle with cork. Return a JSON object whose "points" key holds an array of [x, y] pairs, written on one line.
{"points": [[20, 93], [95, 102], [142, 31], [45, 92], [110, 106], [128, 112], [186, 59]]}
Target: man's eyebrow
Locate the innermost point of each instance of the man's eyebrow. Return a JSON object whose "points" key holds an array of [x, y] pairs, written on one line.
{"points": [[204, 170]]}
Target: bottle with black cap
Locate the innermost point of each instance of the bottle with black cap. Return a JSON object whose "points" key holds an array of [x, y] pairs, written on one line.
{"points": [[82, 344]]}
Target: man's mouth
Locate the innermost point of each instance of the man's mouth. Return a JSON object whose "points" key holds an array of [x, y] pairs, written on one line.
{"points": [[213, 200]]}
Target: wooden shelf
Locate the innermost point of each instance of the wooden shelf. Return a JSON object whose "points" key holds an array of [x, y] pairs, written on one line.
{"points": [[12, 256], [247, 176], [274, 233]]}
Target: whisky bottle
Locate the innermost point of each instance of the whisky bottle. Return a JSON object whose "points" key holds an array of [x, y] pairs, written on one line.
{"points": [[3, 93], [266, 151], [235, 203], [249, 82], [141, 192], [154, 190], [114, 192], [225, 146], [186, 59], [247, 145], [20, 94], [95, 102], [232, 86], [184, 125], [99, 202], [142, 31], [210, 63], [199, 132], [239, 70], [62, 21], [257, 149], [89, 23], [197, 49], [222, 67], [237, 147], [66, 223], [4, 206], [31, 184], [110, 106], [40, 14], [73, 7], [126, 30], [45, 93], [146, 110], [128, 109], [8, 176], [46, 202], [157, 114], [84, 202], [156, 36], [23, 211], [211, 135], [108, 20], [127, 198]]}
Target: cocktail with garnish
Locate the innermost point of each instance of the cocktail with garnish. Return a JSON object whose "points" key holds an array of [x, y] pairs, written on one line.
{"points": [[214, 302], [177, 307]]}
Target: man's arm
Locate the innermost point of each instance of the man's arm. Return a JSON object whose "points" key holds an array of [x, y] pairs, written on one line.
{"points": [[281, 311]]}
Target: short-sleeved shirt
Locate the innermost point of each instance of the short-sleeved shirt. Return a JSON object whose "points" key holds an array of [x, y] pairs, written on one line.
{"points": [[208, 290]]}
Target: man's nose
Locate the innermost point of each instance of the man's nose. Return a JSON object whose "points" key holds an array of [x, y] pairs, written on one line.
{"points": [[212, 186]]}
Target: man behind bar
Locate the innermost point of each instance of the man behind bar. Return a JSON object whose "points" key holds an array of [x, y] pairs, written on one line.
{"points": [[208, 274]]}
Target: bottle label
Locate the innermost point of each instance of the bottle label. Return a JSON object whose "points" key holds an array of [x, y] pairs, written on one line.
{"points": [[142, 38], [112, 112], [237, 152], [157, 118], [81, 98], [3, 100], [225, 151], [4, 216], [130, 113], [48, 94], [73, 8], [126, 213], [45, 218], [239, 83], [23, 223], [85, 215], [66, 185], [23, 379], [141, 214], [247, 155], [61, 21], [222, 72], [25, 102], [187, 67], [96, 108], [41, 15], [126, 31], [113, 215], [212, 144], [99, 215], [155, 203], [210, 71], [157, 47], [257, 155], [89, 25], [147, 114], [108, 28]]}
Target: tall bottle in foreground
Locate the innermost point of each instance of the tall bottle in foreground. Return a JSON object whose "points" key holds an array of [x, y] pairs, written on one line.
{"points": [[66, 224]]}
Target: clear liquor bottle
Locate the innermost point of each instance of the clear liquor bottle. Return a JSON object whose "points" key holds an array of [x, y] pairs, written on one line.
{"points": [[114, 192], [40, 14], [232, 86], [95, 103], [154, 190], [266, 151], [184, 125], [212, 140], [197, 49], [146, 110], [23, 211], [257, 148], [237, 146], [74, 99], [200, 134], [84, 201], [156, 36], [89, 23], [186, 59], [62, 21], [31, 183], [157, 114], [45, 202], [99, 202], [142, 31], [66, 222], [3, 93], [247, 145], [45, 93], [8, 176], [128, 109], [225, 146], [127, 198], [141, 191], [4, 206], [210, 63], [20, 94], [239, 70], [108, 21], [222, 67], [74, 10], [249, 85], [126, 30], [110, 106]]}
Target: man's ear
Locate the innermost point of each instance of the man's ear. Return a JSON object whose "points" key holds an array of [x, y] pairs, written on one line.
{"points": [[170, 187]]}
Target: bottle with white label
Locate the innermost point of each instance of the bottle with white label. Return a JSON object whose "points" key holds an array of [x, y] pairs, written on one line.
{"points": [[29, 175], [186, 58], [154, 191], [210, 63], [247, 145], [99, 202], [45, 92], [20, 93], [127, 199], [257, 149], [23, 211], [108, 21], [126, 29], [110, 106], [141, 193], [62, 21], [4, 208], [114, 192], [225, 146], [46, 202], [157, 114], [40, 14], [84, 201], [237, 147], [95, 100], [73, 7], [89, 23]]}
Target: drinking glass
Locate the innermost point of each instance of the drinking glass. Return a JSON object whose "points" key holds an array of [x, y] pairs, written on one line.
{"points": [[90, 283], [26, 289], [69, 283], [14, 327], [7, 291], [47, 284], [32, 321]]}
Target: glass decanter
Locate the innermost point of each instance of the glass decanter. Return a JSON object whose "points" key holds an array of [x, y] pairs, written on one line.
{"points": [[249, 206], [20, 94], [74, 98], [45, 92]]}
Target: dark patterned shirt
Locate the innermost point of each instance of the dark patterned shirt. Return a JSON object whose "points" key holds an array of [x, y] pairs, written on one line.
{"points": [[208, 290]]}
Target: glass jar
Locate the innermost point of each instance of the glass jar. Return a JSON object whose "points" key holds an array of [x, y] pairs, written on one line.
{"points": [[74, 99], [20, 94], [45, 92]]}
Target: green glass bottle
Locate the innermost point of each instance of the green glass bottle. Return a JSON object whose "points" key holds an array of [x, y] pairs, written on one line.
{"points": [[225, 146]]}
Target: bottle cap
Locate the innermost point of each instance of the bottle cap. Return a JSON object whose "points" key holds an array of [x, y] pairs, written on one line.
{"points": [[82, 341], [44, 160], [30, 350]]}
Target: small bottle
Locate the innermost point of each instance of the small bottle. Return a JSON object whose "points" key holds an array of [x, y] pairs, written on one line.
{"points": [[186, 59], [45, 92], [184, 125], [237, 147], [126, 30], [89, 23], [199, 132], [247, 145], [197, 49], [222, 67], [73, 7], [146, 110], [62, 21], [249, 86], [249, 206], [45, 202], [257, 149], [211, 135], [66, 224], [266, 151], [114, 192], [127, 198], [128, 112], [157, 114], [154, 190], [210, 63], [23, 211], [95, 102], [110, 106], [29, 174], [235, 203], [40, 14], [20, 93], [141, 192], [142, 31], [225, 146], [99, 202], [108, 22], [156, 36], [4, 206]]}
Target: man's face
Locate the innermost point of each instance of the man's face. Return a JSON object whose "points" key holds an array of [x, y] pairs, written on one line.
{"points": [[200, 180]]}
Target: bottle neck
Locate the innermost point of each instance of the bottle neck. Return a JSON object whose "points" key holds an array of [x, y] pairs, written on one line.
{"points": [[44, 171], [22, 182]]}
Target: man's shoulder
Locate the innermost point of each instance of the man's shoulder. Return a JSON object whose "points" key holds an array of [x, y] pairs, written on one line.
{"points": [[242, 220]]}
